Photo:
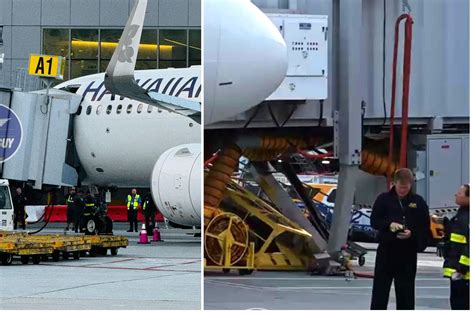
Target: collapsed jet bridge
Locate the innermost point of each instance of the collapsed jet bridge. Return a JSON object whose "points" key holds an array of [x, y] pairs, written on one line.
{"points": [[46, 155]]}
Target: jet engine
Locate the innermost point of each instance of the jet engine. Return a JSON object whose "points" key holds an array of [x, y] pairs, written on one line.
{"points": [[176, 184]]}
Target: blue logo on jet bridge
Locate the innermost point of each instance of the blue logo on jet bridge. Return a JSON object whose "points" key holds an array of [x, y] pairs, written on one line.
{"points": [[11, 133]]}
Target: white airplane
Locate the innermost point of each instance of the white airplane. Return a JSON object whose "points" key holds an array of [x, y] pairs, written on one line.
{"points": [[154, 126]]}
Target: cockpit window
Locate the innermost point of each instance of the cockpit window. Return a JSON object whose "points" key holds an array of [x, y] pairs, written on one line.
{"points": [[71, 88], [119, 109], [109, 109], [129, 108]]}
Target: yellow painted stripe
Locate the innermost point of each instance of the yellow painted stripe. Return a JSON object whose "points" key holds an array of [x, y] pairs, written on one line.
{"points": [[458, 238], [464, 260]]}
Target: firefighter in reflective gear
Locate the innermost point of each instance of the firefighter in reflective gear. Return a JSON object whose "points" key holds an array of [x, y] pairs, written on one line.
{"points": [[456, 252], [89, 208], [149, 211], [402, 221], [133, 203], [70, 215]]}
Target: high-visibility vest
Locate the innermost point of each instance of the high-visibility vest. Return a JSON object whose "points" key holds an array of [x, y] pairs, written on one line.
{"points": [[135, 201]]}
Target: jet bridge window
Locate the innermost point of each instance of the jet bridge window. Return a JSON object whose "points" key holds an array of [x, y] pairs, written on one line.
{"points": [[109, 109], [129, 108], [89, 110], [119, 109]]}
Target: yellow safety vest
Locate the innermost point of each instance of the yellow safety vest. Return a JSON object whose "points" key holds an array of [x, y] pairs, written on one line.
{"points": [[135, 201]]}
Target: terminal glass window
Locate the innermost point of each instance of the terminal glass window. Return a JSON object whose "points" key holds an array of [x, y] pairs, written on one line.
{"points": [[173, 48], [194, 47], [56, 42], [109, 39], [84, 52], [148, 51]]}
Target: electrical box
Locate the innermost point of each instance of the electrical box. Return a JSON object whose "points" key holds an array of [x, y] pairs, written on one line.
{"points": [[441, 166], [306, 37]]}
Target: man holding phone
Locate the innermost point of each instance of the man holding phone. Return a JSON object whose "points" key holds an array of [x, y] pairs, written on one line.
{"points": [[402, 220]]}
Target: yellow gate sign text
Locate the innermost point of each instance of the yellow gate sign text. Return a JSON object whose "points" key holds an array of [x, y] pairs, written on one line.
{"points": [[46, 66]]}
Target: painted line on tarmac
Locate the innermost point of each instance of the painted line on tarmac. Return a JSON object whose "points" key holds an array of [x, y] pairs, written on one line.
{"points": [[253, 287], [312, 278], [110, 262], [174, 265], [344, 288], [119, 268]]}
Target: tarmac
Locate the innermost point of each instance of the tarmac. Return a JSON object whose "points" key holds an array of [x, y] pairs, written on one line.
{"points": [[302, 291], [160, 275]]}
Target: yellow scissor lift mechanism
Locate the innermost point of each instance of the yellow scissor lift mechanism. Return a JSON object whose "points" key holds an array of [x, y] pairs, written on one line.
{"points": [[280, 243], [41, 247], [277, 243]]}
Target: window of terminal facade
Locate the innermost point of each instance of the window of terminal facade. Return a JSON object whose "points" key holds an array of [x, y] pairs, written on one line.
{"points": [[88, 50]]}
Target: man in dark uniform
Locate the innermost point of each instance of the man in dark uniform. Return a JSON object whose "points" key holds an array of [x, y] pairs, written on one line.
{"points": [[19, 202], [402, 221], [456, 252], [149, 211], [70, 213]]}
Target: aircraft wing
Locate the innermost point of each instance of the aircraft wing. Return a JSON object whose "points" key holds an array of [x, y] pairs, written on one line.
{"points": [[119, 76]]}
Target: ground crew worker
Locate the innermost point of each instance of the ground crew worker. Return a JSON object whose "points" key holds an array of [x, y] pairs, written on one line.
{"points": [[133, 203], [70, 212], [456, 252], [402, 221], [79, 206], [19, 202], [149, 211]]}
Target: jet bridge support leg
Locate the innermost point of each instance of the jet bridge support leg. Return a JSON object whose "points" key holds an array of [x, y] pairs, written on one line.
{"points": [[347, 23], [262, 172]]}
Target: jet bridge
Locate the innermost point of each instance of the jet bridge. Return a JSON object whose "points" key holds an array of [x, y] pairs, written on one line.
{"points": [[46, 154]]}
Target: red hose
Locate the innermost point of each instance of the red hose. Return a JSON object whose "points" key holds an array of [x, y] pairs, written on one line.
{"points": [[211, 159], [405, 90]]}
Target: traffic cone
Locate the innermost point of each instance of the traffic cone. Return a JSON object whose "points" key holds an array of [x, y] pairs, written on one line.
{"points": [[157, 234], [143, 236]]}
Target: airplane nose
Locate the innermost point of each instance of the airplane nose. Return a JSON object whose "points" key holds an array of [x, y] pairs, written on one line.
{"points": [[251, 58]]}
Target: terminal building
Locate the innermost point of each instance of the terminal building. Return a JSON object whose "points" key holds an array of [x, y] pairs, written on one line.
{"points": [[85, 32]]}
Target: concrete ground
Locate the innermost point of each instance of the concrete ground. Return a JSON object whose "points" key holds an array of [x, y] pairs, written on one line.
{"points": [[165, 275], [301, 291]]}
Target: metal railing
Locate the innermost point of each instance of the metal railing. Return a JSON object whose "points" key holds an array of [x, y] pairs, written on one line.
{"points": [[19, 79]]}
